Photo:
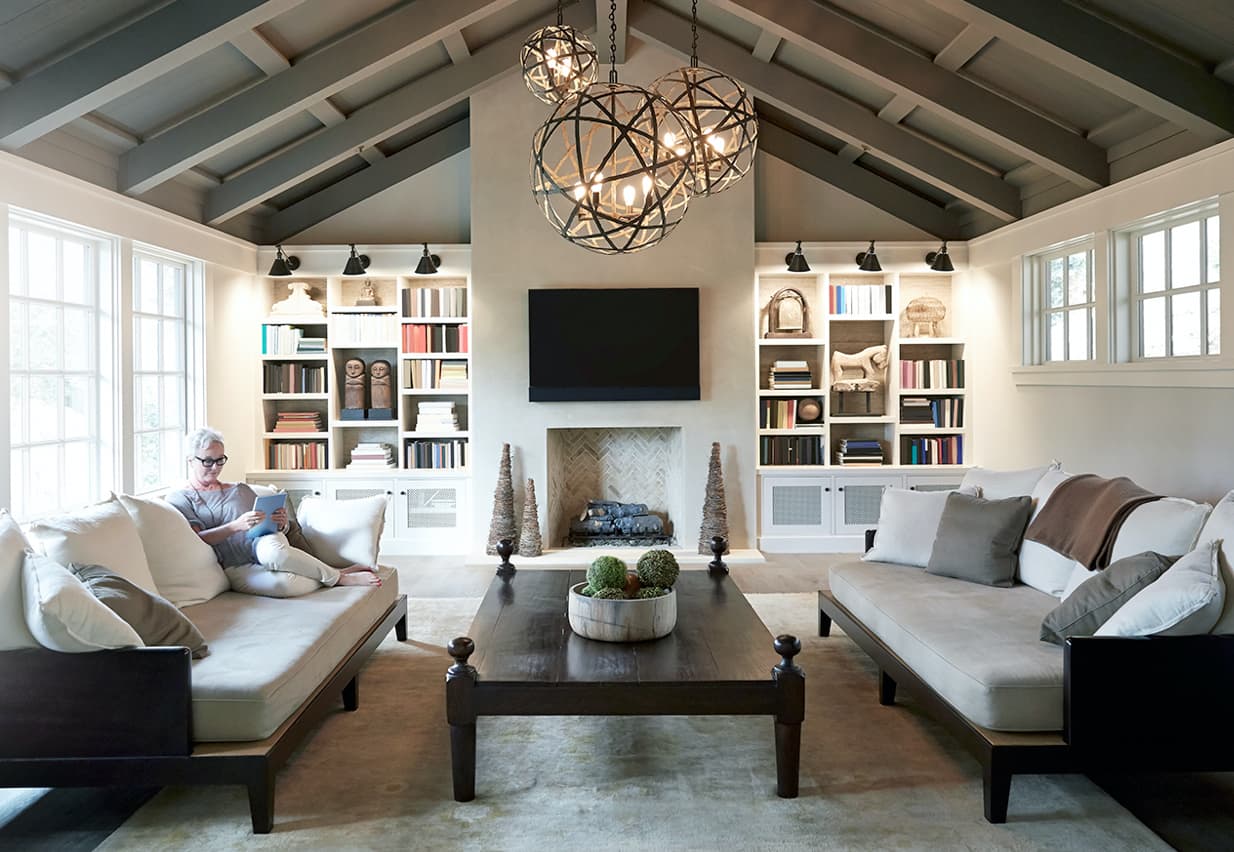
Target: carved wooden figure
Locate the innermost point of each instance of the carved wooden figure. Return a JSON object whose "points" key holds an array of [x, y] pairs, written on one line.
{"points": [[355, 390], [380, 394]]}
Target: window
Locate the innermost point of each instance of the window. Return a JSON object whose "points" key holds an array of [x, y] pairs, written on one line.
{"points": [[1175, 280], [1067, 306], [160, 374], [59, 354]]}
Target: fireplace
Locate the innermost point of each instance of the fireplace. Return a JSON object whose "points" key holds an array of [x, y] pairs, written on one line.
{"points": [[620, 464]]}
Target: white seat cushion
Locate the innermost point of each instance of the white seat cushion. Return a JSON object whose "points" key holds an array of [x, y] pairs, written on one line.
{"points": [[976, 646], [13, 546], [268, 655]]}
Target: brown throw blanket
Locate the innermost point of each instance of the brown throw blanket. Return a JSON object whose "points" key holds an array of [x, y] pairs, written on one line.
{"points": [[1083, 515]]}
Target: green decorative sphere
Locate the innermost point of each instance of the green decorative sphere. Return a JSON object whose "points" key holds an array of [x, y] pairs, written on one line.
{"points": [[587, 591], [607, 572], [658, 568], [610, 594], [652, 592]]}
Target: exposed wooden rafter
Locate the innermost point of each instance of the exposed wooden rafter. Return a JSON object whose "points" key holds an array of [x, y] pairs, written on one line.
{"points": [[403, 108], [120, 62], [835, 114], [361, 53]]}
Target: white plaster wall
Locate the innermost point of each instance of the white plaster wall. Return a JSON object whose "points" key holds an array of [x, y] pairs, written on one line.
{"points": [[233, 366], [514, 249]]}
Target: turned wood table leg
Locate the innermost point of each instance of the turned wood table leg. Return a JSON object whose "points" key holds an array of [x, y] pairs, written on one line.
{"points": [[791, 710], [461, 715]]}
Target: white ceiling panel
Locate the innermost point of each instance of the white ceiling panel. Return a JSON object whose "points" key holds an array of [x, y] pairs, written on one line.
{"points": [[396, 76], [318, 182], [950, 135], [318, 22], [805, 63], [249, 151]]}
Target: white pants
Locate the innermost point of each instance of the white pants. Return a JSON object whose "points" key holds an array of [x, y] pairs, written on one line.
{"points": [[281, 571]]}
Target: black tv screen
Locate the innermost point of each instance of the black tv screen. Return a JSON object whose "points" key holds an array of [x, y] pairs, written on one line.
{"points": [[613, 345]]}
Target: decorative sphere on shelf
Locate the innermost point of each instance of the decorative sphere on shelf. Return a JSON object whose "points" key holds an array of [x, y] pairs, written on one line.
{"points": [[607, 572], [658, 568], [809, 410]]}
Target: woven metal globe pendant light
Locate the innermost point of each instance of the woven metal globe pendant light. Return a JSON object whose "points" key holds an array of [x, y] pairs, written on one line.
{"points": [[610, 169], [558, 61], [721, 116]]}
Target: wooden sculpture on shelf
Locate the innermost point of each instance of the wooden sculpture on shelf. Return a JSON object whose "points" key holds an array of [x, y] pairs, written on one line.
{"points": [[381, 399], [871, 361], [925, 311], [355, 390]]}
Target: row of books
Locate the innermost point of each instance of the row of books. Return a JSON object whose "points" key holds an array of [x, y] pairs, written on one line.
{"points": [[436, 417], [859, 452], [942, 412], [435, 302], [923, 375], [782, 414], [789, 449], [948, 449], [289, 340], [301, 455], [436, 455], [294, 378], [788, 375], [364, 329], [421, 337], [371, 456], [859, 299], [299, 422], [432, 373]]}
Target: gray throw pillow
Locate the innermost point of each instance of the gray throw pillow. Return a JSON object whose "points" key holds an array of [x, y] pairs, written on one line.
{"points": [[1096, 600], [978, 540], [156, 620]]}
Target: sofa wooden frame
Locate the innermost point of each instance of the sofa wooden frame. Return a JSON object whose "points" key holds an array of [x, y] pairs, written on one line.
{"points": [[1129, 704], [117, 718]]}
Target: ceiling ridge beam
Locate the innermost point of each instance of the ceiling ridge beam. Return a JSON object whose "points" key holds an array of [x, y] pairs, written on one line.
{"points": [[858, 182], [368, 182], [365, 51], [985, 114], [849, 121], [120, 62], [405, 107], [1110, 58]]}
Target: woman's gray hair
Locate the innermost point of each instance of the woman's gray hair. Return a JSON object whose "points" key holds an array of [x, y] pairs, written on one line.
{"points": [[198, 440]]}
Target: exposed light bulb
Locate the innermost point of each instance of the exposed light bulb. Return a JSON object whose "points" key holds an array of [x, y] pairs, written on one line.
{"points": [[716, 142], [628, 193], [579, 192], [669, 138], [646, 184], [598, 182]]}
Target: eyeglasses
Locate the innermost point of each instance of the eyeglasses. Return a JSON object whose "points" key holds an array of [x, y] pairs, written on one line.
{"points": [[208, 462]]}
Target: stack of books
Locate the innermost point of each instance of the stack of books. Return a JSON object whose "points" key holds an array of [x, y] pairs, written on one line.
{"points": [[859, 453], [436, 417], [299, 422], [916, 410], [370, 456], [860, 299], [435, 302], [431, 373], [289, 340], [922, 375], [311, 346], [789, 375], [940, 412]]}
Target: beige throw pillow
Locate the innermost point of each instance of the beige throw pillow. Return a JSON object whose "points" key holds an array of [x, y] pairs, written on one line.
{"points": [[102, 534], [64, 616], [184, 568], [13, 546], [344, 532]]}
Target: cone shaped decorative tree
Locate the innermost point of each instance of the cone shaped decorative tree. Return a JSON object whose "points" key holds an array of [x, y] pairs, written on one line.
{"points": [[529, 542], [715, 509], [502, 524]]}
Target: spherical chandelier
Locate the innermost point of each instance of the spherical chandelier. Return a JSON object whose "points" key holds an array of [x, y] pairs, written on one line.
{"points": [[610, 169], [558, 61], [721, 118]]}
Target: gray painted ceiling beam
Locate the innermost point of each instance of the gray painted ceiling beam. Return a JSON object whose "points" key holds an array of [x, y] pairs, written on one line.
{"points": [[603, 28], [456, 46], [361, 53], [120, 62], [834, 114], [858, 182], [765, 47], [381, 119], [1109, 57], [987, 115], [365, 184]]}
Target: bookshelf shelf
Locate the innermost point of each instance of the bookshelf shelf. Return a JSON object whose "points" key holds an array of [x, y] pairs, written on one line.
{"points": [[816, 431], [792, 392], [366, 309], [912, 429], [435, 320], [840, 419], [791, 341], [933, 391], [930, 341], [299, 356], [363, 424], [305, 396], [296, 436], [435, 391], [437, 435], [436, 356], [862, 318]]}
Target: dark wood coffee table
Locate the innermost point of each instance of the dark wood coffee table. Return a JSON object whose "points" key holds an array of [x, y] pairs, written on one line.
{"points": [[528, 662]]}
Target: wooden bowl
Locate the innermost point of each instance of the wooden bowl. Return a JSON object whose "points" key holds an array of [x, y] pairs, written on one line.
{"points": [[635, 620]]}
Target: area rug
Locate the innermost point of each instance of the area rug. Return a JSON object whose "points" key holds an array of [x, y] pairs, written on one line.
{"points": [[872, 777]]}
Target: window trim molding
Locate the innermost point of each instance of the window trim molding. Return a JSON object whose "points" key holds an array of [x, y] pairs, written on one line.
{"points": [[1033, 307]]}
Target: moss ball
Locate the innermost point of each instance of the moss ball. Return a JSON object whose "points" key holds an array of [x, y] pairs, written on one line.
{"points": [[652, 592], [610, 594], [587, 591], [658, 568], [607, 572]]}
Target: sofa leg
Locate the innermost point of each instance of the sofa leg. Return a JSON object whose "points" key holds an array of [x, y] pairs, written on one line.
{"points": [[996, 790], [261, 801], [824, 624], [400, 629], [351, 694], [886, 689]]}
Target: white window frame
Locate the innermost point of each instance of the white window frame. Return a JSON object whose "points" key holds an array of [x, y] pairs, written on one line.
{"points": [[1037, 309], [1136, 295]]}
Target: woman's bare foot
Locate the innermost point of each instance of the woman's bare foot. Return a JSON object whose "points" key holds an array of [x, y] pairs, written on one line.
{"points": [[352, 569], [359, 578]]}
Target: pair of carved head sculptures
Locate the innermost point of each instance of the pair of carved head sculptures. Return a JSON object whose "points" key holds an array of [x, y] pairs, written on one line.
{"points": [[371, 391]]}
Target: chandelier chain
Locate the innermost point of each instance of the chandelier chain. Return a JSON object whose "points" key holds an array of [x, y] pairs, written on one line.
{"points": [[612, 41], [694, 34], [560, 14]]}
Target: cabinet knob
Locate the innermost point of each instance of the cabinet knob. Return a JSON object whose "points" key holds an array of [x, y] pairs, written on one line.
{"points": [[316, 493], [841, 488], [389, 493], [827, 489]]}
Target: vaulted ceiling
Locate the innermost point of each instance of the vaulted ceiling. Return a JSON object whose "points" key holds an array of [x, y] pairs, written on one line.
{"points": [[264, 117]]}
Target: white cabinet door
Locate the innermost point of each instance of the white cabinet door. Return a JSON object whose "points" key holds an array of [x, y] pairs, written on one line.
{"points": [[431, 515], [797, 506], [857, 501], [355, 489]]}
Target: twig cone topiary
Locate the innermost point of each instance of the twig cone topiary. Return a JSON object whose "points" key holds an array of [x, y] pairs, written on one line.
{"points": [[529, 542], [715, 509], [502, 524]]}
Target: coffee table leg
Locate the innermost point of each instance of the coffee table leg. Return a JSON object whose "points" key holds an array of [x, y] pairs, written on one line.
{"points": [[461, 714], [790, 713]]}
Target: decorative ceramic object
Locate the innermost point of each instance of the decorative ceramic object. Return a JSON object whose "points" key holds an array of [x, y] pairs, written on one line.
{"points": [[871, 361], [620, 619], [925, 311], [299, 305], [788, 315], [809, 410], [368, 296]]}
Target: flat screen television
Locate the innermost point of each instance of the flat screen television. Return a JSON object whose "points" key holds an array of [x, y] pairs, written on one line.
{"points": [[613, 345]]}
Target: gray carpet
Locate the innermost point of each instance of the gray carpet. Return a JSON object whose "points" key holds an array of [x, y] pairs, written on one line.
{"points": [[871, 778]]}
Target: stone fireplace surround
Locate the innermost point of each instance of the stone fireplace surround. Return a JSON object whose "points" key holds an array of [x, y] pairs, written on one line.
{"points": [[630, 464]]}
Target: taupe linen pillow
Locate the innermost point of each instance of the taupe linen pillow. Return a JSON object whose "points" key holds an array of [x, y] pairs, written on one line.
{"points": [[156, 620], [978, 540], [1096, 600]]}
